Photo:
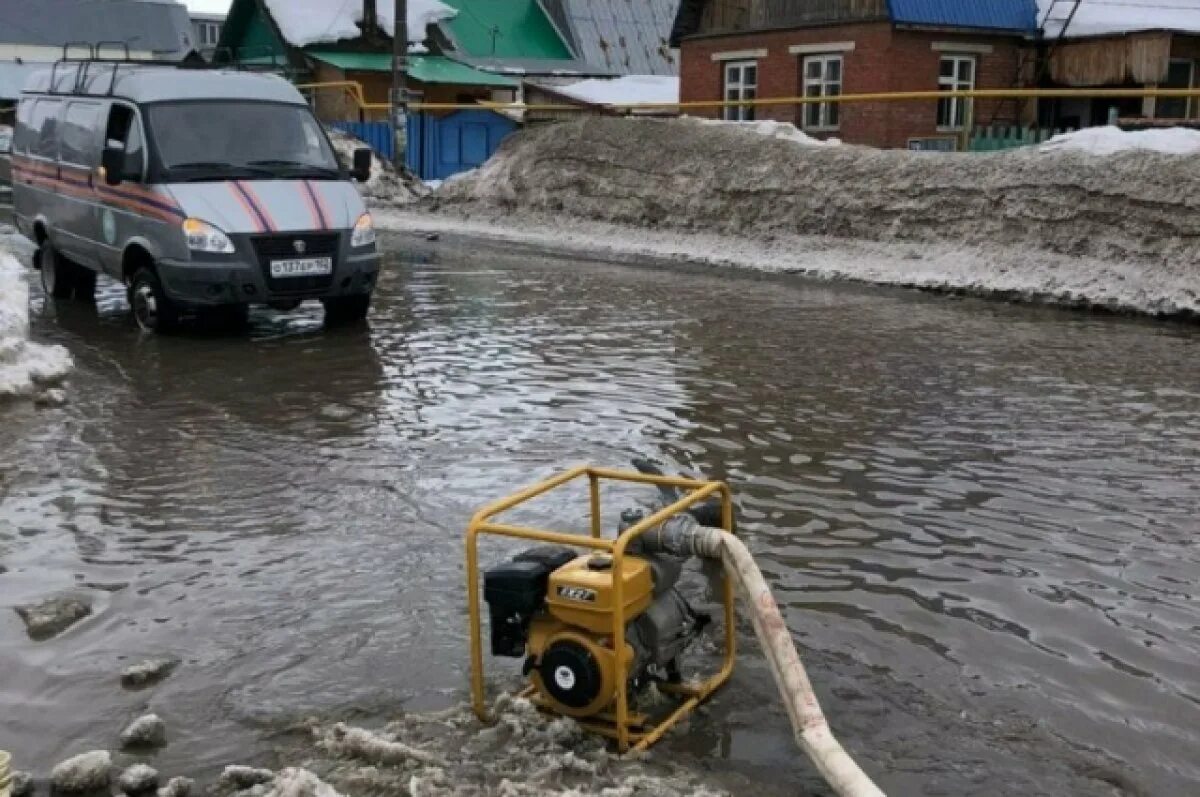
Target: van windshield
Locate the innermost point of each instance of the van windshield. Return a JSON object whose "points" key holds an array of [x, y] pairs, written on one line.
{"points": [[217, 140]]}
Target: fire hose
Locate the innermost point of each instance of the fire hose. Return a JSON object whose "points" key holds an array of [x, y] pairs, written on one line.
{"points": [[683, 535]]}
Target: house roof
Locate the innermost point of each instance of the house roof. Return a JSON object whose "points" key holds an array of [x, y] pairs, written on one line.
{"points": [[1005, 15], [425, 68], [519, 29], [617, 35], [158, 26], [1107, 17], [1002, 16]]}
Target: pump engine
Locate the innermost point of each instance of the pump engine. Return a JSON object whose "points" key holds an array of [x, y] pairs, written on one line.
{"points": [[555, 609]]}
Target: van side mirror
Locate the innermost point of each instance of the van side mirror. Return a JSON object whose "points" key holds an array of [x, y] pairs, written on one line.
{"points": [[113, 161], [361, 170]]}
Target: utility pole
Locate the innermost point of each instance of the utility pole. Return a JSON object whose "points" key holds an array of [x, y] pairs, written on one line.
{"points": [[400, 80]]}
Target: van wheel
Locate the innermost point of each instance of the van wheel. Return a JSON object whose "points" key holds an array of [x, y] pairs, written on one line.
{"points": [[152, 310], [85, 284], [57, 273], [346, 309]]}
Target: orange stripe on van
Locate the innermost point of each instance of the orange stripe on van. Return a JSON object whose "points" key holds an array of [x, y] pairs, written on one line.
{"points": [[257, 204]]}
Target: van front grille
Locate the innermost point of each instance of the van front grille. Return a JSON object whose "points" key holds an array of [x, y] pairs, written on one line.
{"points": [[283, 247]]}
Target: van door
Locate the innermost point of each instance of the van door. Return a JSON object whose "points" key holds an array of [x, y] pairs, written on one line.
{"points": [[79, 154], [39, 195], [119, 217]]}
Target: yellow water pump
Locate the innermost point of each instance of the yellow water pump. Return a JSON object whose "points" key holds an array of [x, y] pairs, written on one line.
{"points": [[596, 627]]}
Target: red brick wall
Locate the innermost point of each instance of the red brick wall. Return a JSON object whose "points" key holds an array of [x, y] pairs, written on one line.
{"points": [[883, 60]]}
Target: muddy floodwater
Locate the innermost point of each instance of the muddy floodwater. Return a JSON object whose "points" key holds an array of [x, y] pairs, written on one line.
{"points": [[981, 518]]}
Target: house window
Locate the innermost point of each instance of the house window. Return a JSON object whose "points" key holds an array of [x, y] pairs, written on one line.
{"points": [[741, 83], [1180, 75], [956, 73], [822, 78], [210, 33]]}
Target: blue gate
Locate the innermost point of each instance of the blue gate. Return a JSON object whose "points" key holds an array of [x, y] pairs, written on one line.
{"points": [[442, 146], [377, 135]]}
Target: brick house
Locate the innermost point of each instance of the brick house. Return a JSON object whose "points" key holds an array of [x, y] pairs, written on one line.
{"points": [[743, 49]]}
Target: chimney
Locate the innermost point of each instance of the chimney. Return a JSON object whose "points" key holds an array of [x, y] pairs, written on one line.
{"points": [[370, 23]]}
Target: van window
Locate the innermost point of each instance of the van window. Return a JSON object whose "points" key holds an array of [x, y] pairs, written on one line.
{"points": [[44, 125], [22, 135], [80, 134], [135, 150], [125, 130], [235, 138]]}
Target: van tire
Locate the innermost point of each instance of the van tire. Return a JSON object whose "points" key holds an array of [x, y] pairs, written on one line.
{"points": [[58, 273], [153, 311], [346, 309], [85, 284]]}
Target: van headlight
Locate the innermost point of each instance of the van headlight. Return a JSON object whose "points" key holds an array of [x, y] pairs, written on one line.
{"points": [[204, 237], [364, 232]]}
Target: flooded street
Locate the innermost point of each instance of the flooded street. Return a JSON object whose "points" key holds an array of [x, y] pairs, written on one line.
{"points": [[981, 518]]}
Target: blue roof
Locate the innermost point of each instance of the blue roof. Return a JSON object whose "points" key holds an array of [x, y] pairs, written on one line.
{"points": [[1008, 15]]}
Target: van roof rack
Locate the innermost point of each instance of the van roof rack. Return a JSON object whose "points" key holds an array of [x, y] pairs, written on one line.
{"points": [[83, 65]]}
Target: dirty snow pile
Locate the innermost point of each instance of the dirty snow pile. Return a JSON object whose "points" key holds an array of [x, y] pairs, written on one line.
{"points": [[305, 22], [1111, 140], [385, 183], [450, 753], [768, 128], [26, 368], [1054, 224]]}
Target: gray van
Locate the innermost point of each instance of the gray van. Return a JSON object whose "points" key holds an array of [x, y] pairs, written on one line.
{"points": [[203, 191]]}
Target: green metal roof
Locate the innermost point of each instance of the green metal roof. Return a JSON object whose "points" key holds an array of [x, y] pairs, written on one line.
{"points": [[504, 29], [425, 68]]}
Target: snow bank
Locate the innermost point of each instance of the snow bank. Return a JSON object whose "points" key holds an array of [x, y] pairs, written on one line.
{"points": [[1096, 17], [305, 22], [768, 128], [385, 184], [624, 90], [1112, 140], [1121, 232], [25, 367]]}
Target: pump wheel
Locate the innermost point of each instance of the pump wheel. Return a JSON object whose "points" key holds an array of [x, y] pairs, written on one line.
{"points": [[58, 273], [152, 309], [346, 309]]}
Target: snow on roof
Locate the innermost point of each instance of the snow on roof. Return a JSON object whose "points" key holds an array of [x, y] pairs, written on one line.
{"points": [[624, 90], [1112, 140], [305, 22], [1099, 17]]}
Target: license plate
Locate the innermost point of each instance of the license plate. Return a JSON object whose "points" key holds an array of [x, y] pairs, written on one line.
{"points": [[302, 267]]}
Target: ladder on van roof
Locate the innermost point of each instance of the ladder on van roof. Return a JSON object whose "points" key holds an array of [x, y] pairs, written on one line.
{"points": [[83, 66]]}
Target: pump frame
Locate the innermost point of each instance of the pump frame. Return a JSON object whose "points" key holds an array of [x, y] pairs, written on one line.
{"points": [[620, 724]]}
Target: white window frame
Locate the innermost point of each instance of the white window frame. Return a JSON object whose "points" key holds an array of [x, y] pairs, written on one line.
{"points": [[827, 87], [741, 86], [960, 109]]}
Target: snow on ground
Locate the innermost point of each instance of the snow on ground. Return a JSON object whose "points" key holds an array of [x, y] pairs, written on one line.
{"points": [[624, 90], [25, 367], [785, 131], [1112, 140], [1097, 17], [305, 22], [384, 184], [1034, 224]]}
